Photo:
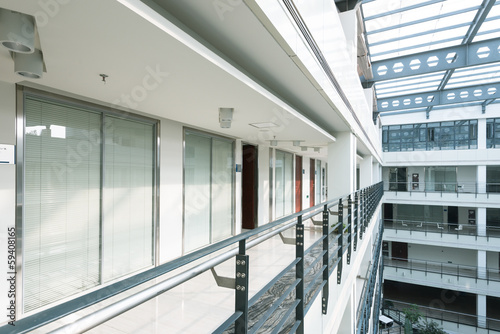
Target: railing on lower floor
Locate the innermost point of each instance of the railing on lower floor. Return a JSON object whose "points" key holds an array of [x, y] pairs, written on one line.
{"points": [[311, 277], [370, 289], [442, 268], [396, 313], [443, 187], [442, 228]]}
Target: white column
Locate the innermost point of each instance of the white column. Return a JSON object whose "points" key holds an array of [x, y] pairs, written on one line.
{"points": [[481, 179], [481, 221], [238, 159], [481, 133], [341, 165], [481, 264], [365, 172], [481, 311]]}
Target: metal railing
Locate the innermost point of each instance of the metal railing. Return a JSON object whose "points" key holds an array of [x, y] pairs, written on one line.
{"points": [[311, 277], [442, 268], [439, 315], [443, 187], [440, 227], [370, 287]]}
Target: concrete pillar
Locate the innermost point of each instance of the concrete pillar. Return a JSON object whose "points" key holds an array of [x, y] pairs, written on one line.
{"points": [[376, 172], [481, 264], [365, 172], [481, 221], [481, 133], [481, 179], [481, 311], [341, 165]]}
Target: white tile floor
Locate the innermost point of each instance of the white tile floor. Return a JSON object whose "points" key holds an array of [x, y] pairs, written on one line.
{"points": [[199, 305]]}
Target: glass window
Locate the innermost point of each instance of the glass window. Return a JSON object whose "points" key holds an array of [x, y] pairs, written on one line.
{"points": [[208, 189], [88, 210], [283, 183]]}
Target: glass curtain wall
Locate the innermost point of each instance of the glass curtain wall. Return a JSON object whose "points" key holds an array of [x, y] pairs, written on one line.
{"points": [[88, 204], [208, 189], [441, 179]]}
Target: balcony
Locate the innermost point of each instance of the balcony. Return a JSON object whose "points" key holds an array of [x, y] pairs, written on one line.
{"points": [[473, 279], [442, 234]]}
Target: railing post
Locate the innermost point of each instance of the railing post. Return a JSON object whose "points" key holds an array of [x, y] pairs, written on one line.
{"points": [[361, 214], [349, 229], [341, 240], [356, 218], [326, 248], [299, 274], [241, 294]]}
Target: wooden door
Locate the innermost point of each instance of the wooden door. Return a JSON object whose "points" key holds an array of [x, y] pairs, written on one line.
{"points": [[249, 187], [298, 183], [399, 251]]}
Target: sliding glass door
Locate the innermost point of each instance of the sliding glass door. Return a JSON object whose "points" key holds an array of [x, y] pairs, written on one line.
{"points": [[208, 189]]}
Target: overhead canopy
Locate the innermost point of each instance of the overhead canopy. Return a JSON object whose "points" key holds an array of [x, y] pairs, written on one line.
{"points": [[433, 54]]}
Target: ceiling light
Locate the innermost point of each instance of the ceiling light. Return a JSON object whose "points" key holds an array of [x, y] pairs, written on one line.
{"points": [[303, 148], [263, 125], [225, 117], [274, 143], [296, 142], [29, 65], [316, 149], [17, 31]]}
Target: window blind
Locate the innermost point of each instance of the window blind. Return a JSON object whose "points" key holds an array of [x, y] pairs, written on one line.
{"points": [[88, 211]]}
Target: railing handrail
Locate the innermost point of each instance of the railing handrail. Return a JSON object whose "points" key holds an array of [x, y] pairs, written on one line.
{"points": [[471, 187], [437, 310], [400, 263], [271, 229]]}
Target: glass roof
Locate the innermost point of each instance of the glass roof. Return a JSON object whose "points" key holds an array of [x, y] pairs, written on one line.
{"points": [[397, 28]]}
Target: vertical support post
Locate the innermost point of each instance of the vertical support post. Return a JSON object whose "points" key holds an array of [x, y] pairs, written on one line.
{"points": [[326, 259], [299, 274], [356, 219], [241, 294], [349, 229], [341, 240]]}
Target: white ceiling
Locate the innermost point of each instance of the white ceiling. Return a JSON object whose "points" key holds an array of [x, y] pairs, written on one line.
{"points": [[82, 39]]}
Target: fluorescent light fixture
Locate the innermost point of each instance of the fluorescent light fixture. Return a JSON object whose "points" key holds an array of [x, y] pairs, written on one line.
{"points": [[316, 149], [29, 65], [264, 125], [274, 143], [296, 142], [303, 148], [17, 31]]}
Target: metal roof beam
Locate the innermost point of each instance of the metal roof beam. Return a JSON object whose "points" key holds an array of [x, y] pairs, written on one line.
{"points": [[435, 98], [422, 63], [485, 103], [403, 9], [436, 17], [478, 20]]}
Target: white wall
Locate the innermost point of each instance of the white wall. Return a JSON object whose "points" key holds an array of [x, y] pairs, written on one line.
{"points": [[7, 185], [442, 254], [171, 190]]}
